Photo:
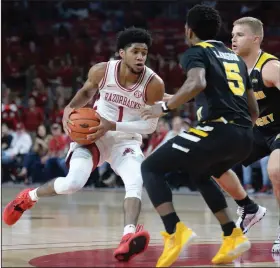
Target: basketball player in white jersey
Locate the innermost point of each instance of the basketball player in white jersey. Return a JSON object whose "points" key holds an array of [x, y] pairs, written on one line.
{"points": [[125, 87]]}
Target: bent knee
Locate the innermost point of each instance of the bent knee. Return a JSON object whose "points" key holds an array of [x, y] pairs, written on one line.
{"points": [[273, 167], [73, 182], [77, 178], [224, 176], [134, 192], [75, 185], [133, 185]]}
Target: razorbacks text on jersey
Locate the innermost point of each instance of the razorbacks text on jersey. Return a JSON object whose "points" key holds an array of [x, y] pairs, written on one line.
{"points": [[268, 98], [227, 81], [119, 104]]}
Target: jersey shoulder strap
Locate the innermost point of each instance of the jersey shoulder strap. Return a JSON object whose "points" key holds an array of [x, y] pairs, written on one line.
{"points": [[264, 58]]}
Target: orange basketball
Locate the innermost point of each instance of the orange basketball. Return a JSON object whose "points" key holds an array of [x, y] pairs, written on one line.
{"points": [[83, 119]]}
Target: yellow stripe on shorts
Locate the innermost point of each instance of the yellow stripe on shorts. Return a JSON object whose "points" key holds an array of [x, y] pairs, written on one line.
{"points": [[198, 132]]}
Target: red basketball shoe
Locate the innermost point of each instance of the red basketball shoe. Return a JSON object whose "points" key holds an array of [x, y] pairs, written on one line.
{"points": [[132, 244], [15, 208]]}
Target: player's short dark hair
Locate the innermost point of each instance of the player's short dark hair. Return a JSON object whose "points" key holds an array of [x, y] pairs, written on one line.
{"points": [[133, 35], [205, 21]]}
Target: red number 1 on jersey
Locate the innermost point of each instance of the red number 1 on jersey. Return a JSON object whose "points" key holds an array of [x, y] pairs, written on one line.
{"points": [[120, 113]]}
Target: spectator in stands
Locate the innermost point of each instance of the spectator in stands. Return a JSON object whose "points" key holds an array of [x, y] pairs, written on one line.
{"points": [[58, 146], [33, 116], [13, 70], [39, 93], [175, 76], [10, 114], [6, 137], [177, 128], [21, 144], [33, 161], [57, 112]]}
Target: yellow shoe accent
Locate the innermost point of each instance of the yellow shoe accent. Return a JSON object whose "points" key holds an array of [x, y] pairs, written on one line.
{"points": [[232, 247], [173, 244]]}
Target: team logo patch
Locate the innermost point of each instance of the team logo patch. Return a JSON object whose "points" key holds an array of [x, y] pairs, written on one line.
{"points": [[138, 94], [128, 151]]}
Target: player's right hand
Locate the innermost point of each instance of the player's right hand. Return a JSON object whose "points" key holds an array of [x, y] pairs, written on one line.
{"points": [[66, 120]]}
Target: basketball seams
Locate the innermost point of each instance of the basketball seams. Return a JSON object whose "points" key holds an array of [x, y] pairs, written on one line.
{"points": [[83, 119]]}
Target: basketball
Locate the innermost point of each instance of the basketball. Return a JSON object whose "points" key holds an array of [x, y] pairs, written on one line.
{"points": [[83, 119]]}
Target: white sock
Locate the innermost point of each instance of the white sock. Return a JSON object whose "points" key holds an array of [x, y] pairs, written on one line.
{"points": [[33, 195], [130, 228]]}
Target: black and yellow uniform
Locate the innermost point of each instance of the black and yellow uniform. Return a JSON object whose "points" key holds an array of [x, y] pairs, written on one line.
{"points": [[267, 129], [227, 81], [223, 136]]}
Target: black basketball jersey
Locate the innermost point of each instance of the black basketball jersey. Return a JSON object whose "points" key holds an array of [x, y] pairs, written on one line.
{"points": [[227, 81], [268, 98]]}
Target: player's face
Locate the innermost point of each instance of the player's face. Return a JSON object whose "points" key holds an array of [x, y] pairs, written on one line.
{"points": [[242, 39], [135, 57]]}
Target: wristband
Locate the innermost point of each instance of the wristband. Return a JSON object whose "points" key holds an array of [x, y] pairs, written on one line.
{"points": [[165, 108]]}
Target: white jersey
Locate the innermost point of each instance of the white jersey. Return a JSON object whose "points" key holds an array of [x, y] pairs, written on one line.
{"points": [[116, 103], [120, 104]]}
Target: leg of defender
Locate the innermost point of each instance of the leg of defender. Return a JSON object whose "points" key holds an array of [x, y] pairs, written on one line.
{"points": [[196, 152], [81, 165], [274, 175], [168, 157], [247, 209]]}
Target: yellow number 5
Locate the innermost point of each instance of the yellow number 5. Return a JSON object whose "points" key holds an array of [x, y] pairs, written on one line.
{"points": [[232, 71]]}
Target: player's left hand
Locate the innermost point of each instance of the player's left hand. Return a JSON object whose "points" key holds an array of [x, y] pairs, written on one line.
{"points": [[104, 126], [152, 112]]}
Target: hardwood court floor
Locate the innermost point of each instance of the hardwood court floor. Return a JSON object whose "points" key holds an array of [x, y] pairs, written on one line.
{"points": [[84, 229]]}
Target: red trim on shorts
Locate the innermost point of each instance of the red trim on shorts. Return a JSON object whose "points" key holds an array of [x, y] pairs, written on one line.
{"points": [[68, 160], [137, 83], [145, 87], [94, 152], [95, 155], [103, 81]]}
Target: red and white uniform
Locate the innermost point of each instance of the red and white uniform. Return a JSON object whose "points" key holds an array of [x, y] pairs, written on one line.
{"points": [[119, 104]]}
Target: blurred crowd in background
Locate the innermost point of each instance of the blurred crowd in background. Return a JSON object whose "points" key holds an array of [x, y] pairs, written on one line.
{"points": [[47, 50]]}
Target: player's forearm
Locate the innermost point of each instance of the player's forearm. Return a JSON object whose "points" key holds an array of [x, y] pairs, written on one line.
{"points": [[141, 126], [82, 98], [187, 92]]}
